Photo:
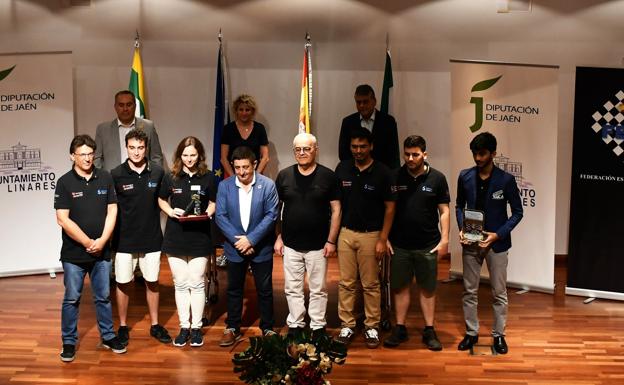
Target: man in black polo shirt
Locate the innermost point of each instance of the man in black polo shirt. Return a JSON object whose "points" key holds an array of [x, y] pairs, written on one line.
{"points": [[367, 213], [307, 233], [422, 197], [86, 209], [138, 237]]}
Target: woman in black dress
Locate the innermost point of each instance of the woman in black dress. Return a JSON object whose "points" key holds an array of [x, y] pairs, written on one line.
{"points": [[188, 243], [244, 131]]}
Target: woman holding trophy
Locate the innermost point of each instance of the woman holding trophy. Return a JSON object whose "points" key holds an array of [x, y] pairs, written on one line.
{"points": [[187, 196]]}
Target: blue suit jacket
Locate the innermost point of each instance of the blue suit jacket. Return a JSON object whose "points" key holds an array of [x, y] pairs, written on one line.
{"points": [[261, 229], [502, 190]]}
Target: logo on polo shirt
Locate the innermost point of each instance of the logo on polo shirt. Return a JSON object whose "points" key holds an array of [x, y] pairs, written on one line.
{"points": [[369, 187], [102, 191], [176, 190], [346, 183], [152, 184], [126, 187], [78, 194], [498, 195], [427, 189]]}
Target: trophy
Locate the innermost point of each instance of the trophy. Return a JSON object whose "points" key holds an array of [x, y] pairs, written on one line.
{"points": [[473, 225], [194, 206]]}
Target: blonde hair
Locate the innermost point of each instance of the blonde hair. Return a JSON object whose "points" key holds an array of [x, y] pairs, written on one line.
{"points": [[247, 100]]}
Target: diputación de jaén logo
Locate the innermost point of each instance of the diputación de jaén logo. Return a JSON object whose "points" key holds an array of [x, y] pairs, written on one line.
{"points": [[478, 101], [5, 73]]}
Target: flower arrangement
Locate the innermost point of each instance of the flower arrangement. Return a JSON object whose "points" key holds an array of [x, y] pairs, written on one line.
{"points": [[276, 359]]}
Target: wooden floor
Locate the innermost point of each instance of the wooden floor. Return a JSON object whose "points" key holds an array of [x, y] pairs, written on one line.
{"points": [[553, 339]]}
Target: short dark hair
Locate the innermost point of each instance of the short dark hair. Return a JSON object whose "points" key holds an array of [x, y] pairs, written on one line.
{"points": [[483, 141], [415, 141], [137, 134], [125, 92], [361, 133], [81, 140], [364, 90], [243, 152]]}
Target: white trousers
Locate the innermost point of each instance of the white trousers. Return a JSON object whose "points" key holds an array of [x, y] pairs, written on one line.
{"points": [[296, 264], [189, 282]]}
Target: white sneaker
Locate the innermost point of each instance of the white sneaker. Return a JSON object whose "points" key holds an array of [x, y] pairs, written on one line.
{"points": [[345, 336]]}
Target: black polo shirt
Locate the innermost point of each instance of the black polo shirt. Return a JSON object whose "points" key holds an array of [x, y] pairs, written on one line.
{"points": [[87, 202], [416, 216], [138, 216], [364, 194], [306, 215], [188, 238]]}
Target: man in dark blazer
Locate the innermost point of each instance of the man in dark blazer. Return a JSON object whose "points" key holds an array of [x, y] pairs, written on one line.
{"points": [[381, 125], [489, 189], [246, 214], [110, 136]]}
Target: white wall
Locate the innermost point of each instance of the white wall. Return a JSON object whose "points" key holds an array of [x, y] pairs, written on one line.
{"points": [[264, 46]]}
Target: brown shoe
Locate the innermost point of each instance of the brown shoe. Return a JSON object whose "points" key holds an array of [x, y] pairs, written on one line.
{"points": [[371, 338], [230, 336]]}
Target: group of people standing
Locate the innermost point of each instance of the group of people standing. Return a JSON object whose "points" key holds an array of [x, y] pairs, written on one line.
{"points": [[367, 209]]}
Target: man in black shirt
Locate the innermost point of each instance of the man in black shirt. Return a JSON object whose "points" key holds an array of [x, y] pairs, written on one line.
{"points": [[138, 236], [367, 214], [307, 232], [86, 208], [422, 196]]}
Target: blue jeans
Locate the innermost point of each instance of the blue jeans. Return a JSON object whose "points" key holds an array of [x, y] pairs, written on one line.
{"points": [[73, 278]]}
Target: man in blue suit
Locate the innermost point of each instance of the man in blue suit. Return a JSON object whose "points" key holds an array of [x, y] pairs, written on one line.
{"points": [[246, 214], [489, 189]]}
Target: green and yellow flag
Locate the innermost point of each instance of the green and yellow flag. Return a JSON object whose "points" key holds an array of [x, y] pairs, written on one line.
{"points": [[136, 82]]}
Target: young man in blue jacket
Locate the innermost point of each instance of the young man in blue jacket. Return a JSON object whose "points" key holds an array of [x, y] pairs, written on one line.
{"points": [[489, 189]]}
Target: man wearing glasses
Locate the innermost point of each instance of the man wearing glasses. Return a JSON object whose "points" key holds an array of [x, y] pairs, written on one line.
{"points": [[307, 233], [86, 210]]}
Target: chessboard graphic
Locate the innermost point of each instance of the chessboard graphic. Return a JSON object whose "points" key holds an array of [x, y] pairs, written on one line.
{"points": [[608, 124]]}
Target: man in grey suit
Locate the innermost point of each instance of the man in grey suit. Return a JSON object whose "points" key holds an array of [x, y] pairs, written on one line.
{"points": [[110, 136]]}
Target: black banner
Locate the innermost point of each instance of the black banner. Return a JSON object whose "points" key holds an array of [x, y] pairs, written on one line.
{"points": [[596, 244]]}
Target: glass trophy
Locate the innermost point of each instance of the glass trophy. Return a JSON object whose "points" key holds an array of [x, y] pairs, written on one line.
{"points": [[473, 225]]}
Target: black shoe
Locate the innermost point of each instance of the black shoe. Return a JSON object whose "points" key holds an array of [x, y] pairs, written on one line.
{"points": [[500, 346], [398, 336], [184, 336], [160, 333], [467, 342], [68, 353], [317, 334], [115, 345], [123, 334], [197, 338], [295, 333], [430, 339]]}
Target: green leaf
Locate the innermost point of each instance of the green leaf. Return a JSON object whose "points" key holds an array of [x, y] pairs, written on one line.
{"points": [[6, 72], [485, 84]]}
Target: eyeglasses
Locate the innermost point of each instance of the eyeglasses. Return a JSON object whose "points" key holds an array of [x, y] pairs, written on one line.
{"points": [[305, 150], [84, 156]]}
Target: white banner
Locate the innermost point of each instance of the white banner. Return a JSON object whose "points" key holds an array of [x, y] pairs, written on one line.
{"points": [[518, 104], [37, 124]]}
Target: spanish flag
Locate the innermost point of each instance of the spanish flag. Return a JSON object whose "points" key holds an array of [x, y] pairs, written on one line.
{"points": [[136, 82], [305, 106]]}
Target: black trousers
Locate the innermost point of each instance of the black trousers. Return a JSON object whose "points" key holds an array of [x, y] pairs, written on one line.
{"points": [[263, 277]]}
